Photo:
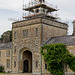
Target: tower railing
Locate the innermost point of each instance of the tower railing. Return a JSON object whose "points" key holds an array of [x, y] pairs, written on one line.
{"points": [[32, 4]]}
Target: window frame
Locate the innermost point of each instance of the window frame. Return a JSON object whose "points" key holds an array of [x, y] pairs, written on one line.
{"points": [[14, 64], [37, 32], [36, 48], [15, 50], [8, 63], [36, 64], [7, 53], [15, 35], [46, 66], [25, 33]]}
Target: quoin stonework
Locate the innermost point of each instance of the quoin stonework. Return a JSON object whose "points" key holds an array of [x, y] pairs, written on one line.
{"points": [[38, 27]]}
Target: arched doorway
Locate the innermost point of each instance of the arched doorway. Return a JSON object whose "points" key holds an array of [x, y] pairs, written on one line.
{"points": [[27, 62], [25, 66]]}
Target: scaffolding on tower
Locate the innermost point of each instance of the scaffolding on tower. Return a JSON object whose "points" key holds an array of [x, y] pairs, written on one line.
{"points": [[34, 4]]}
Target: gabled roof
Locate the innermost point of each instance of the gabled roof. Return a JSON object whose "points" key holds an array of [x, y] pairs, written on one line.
{"points": [[6, 45], [68, 40]]}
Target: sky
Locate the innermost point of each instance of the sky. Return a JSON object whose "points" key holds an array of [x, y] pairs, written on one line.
{"points": [[13, 9]]}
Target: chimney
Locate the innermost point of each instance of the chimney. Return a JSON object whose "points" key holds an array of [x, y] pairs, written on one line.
{"points": [[74, 28]]}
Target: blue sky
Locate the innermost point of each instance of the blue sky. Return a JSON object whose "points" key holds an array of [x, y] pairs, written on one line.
{"points": [[13, 9]]}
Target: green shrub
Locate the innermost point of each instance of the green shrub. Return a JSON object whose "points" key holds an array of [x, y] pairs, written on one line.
{"points": [[1, 69], [56, 55], [71, 63]]}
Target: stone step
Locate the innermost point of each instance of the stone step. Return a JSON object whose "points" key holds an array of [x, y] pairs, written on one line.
{"points": [[18, 74], [69, 73]]}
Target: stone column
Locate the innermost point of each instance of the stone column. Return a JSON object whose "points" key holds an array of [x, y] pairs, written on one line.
{"points": [[74, 27]]}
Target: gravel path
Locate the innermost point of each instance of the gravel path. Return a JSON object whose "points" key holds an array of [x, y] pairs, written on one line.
{"points": [[17, 74]]}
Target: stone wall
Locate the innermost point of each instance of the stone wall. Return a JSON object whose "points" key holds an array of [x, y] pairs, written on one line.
{"points": [[49, 29], [27, 43], [4, 58], [71, 49]]}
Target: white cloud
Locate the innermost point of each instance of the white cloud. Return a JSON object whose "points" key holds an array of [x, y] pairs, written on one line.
{"points": [[13, 8]]}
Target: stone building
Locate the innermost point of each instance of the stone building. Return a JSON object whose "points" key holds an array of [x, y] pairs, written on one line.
{"points": [[5, 55], [29, 34], [27, 37]]}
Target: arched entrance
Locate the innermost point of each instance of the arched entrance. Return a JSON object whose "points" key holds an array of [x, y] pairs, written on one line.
{"points": [[27, 62], [25, 66]]}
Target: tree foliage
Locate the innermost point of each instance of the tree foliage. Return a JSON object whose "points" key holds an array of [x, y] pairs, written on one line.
{"points": [[56, 55], [1, 69], [10, 32], [10, 35]]}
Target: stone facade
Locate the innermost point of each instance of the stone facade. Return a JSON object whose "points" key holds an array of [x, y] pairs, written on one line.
{"points": [[71, 49], [4, 56], [27, 49], [46, 29], [27, 37]]}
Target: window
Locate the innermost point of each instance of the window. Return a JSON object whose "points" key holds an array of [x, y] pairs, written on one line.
{"points": [[0, 53], [25, 33], [36, 64], [14, 64], [8, 63], [36, 48], [15, 35], [7, 53], [45, 64], [15, 50], [36, 31]]}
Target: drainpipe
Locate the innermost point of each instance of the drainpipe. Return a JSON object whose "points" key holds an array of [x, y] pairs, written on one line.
{"points": [[74, 27], [42, 43], [11, 59]]}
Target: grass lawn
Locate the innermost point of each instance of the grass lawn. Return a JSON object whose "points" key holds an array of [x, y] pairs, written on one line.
{"points": [[3, 73]]}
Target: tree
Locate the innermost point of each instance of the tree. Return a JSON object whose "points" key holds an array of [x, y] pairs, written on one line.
{"points": [[10, 35], [10, 32], [1, 69], [56, 55]]}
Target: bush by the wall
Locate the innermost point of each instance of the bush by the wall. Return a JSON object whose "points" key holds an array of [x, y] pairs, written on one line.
{"points": [[1, 69], [56, 55]]}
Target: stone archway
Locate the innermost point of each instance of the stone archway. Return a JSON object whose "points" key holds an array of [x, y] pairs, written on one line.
{"points": [[27, 62]]}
